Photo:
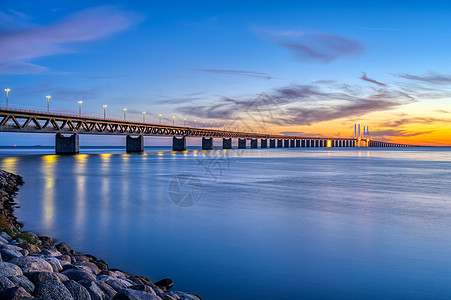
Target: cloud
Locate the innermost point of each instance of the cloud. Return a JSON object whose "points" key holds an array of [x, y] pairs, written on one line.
{"points": [[22, 44], [398, 133], [430, 78], [313, 46], [237, 72], [366, 78], [415, 120]]}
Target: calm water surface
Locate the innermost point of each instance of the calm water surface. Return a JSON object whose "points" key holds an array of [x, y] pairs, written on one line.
{"points": [[268, 224]]}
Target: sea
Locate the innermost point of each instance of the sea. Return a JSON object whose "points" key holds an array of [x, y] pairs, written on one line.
{"points": [[296, 223]]}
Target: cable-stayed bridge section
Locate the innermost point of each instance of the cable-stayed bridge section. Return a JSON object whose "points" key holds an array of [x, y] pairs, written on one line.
{"points": [[67, 129]]}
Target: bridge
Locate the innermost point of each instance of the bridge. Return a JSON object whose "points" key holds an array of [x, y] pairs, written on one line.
{"points": [[67, 129]]}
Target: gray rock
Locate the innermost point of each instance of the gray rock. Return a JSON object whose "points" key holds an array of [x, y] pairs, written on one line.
{"points": [[118, 283], [8, 254], [29, 247], [15, 293], [94, 269], [182, 295], [46, 241], [5, 283], [164, 284], [144, 288], [108, 290], [23, 282], [37, 277], [3, 241], [9, 269], [78, 275], [63, 263], [55, 263], [120, 274], [94, 290], [10, 247], [64, 248], [5, 236], [32, 263], [77, 291], [63, 278], [52, 289], [50, 252], [131, 294]]}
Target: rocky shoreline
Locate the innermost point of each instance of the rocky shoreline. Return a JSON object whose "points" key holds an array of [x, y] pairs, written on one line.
{"points": [[33, 266]]}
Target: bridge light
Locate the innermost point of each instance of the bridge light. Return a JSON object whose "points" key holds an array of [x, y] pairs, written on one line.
{"points": [[79, 108], [125, 115], [144, 116], [203, 125], [159, 118], [7, 91], [184, 122], [48, 103], [104, 111], [173, 120]]}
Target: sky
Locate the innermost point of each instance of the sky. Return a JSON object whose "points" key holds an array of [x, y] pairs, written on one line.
{"points": [[311, 68]]}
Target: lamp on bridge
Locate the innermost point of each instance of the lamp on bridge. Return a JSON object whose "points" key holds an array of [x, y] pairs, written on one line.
{"points": [[173, 120], [48, 103], [203, 125], [104, 111], [7, 91], [159, 118], [79, 108], [125, 110], [184, 122], [144, 116]]}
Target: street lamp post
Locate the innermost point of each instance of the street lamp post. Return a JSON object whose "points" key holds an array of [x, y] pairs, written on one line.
{"points": [[144, 116], [173, 120], [48, 103], [125, 110], [203, 125], [159, 118], [104, 111], [7, 91], [79, 108], [184, 122]]}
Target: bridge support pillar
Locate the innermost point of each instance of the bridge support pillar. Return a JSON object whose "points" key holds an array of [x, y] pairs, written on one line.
{"points": [[291, 143], [298, 143], [241, 143], [279, 144], [254, 143], [135, 144], [67, 144], [179, 144], [263, 143], [272, 143], [286, 143], [207, 144], [227, 143]]}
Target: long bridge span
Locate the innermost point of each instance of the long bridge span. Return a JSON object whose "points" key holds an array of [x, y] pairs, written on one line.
{"points": [[68, 127]]}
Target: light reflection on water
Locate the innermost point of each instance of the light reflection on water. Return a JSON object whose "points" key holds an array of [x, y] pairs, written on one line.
{"points": [[275, 224]]}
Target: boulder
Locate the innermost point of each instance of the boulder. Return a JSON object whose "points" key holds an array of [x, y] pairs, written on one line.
{"points": [[5, 283], [5, 236], [29, 247], [120, 274], [77, 291], [64, 249], [142, 280], [46, 241], [23, 282], [94, 290], [164, 284], [143, 287], [52, 289], [37, 277], [108, 290], [8, 254], [131, 294], [92, 267], [55, 263], [50, 252], [32, 263], [118, 283], [10, 247], [78, 275], [9, 269], [81, 258], [65, 258], [108, 273], [3, 241], [15, 293]]}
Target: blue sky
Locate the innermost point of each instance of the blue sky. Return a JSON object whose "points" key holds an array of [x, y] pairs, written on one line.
{"points": [[323, 65]]}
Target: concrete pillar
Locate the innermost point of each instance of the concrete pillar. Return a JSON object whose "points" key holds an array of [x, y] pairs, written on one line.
{"points": [[241, 143], [227, 143], [135, 144], [178, 144], [207, 143], [279, 144], [291, 143], [254, 143], [303, 143], [263, 143], [67, 145], [298, 143], [308, 144], [272, 143], [286, 143]]}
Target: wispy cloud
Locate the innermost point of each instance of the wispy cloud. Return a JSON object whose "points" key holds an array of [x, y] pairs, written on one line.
{"points": [[238, 73], [398, 133], [366, 78], [430, 78], [19, 45], [313, 46]]}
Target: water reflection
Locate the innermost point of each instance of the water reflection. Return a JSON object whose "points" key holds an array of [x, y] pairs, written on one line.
{"points": [[9, 164], [48, 208], [81, 161]]}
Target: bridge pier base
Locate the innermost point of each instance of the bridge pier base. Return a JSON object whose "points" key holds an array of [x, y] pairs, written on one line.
{"points": [[207, 144], [254, 143], [298, 143], [241, 143], [291, 143], [272, 143], [227, 143], [263, 143], [135, 144], [179, 144], [279, 143], [67, 144]]}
